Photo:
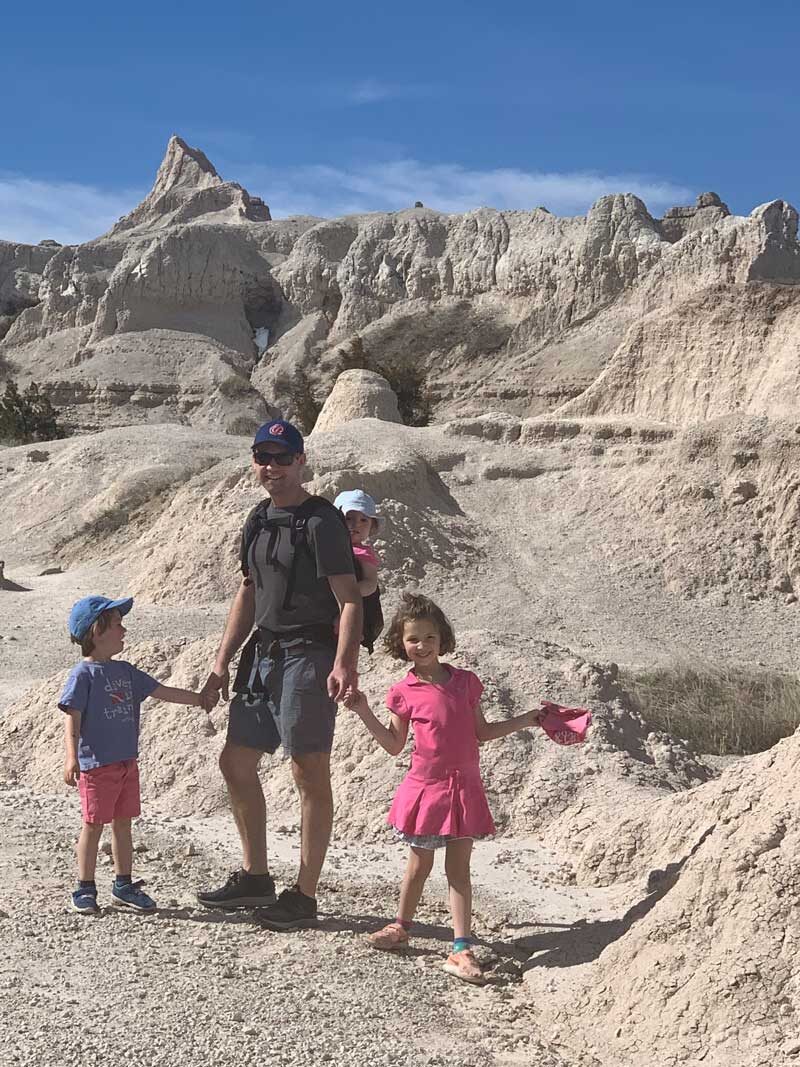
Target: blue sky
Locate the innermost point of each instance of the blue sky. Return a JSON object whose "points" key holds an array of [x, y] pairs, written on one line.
{"points": [[327, 108]]}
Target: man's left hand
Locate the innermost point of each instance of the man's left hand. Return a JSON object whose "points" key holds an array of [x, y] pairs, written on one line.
{"points": [[340, 680]]}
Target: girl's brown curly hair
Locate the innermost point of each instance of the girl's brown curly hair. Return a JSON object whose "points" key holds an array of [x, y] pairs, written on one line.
{"points": [[413, 607]]}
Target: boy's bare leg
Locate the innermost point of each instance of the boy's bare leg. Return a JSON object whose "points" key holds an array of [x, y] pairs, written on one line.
{"points": [[312, 776], [122, 846], [88, 844], [420, 863], [239, 766], [456, 866]]}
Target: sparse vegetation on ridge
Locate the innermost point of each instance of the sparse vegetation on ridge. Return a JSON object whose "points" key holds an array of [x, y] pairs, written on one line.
{"points": [[718, 710], [408, 380], [28, 416], [304, 406]]}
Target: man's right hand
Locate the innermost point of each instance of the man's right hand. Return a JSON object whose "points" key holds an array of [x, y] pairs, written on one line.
{"points": [[72, 771], [217, 682]]}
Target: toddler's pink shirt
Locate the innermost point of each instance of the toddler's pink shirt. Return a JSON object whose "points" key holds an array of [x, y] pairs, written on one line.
{"points": [[367, 554]]}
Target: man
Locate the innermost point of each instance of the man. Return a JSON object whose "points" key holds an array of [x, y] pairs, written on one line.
{"points": [[303, 667]]}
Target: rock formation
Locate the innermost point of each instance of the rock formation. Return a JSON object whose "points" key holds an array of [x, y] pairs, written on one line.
{"points": [[611, 478], [679, 221], [187, 187], [358, 394], [519, 310], [702, 967]]}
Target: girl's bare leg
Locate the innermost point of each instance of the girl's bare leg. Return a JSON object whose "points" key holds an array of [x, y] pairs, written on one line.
{"points": [[88, 844], [122, 846], [420, 862], [456, 866]]}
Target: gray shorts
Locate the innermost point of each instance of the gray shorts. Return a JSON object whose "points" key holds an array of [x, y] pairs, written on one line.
{"points": [[294, 709]]}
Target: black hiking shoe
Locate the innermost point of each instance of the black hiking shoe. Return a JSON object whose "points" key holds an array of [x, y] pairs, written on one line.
{"points": [[292, 910], [242, 890]]}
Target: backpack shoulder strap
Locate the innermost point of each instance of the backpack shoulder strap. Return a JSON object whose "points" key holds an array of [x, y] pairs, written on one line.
{"points": [[255, 522], [313, 505]]}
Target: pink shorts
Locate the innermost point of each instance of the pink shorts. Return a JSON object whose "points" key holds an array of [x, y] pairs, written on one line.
{"points": [[110, 792]]}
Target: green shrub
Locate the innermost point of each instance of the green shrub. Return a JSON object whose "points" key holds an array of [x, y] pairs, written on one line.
{"points": [[718, 710], [28, 416]]}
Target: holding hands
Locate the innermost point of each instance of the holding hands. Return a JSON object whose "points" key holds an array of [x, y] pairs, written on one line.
{"points": [[208, 698], [216, 685], [355, 701]]}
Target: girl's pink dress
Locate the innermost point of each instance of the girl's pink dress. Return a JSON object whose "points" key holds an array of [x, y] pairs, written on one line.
{"points": [[442, 794]]}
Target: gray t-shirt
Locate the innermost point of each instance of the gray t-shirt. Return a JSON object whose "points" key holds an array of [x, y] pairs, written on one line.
{"points": [[328, 552]]}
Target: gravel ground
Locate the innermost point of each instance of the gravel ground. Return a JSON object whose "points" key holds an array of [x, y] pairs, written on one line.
{"points": [[190, 986]]}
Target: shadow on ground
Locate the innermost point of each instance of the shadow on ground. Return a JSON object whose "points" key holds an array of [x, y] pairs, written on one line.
{"points": [[584, 941]]}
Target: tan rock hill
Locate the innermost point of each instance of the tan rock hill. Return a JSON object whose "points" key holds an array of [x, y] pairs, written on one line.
{"points": [[702, 968], [21, 268], [186, 187], [533, 784], [727, 349], [358, 394], [89, 497], [514, 310]]}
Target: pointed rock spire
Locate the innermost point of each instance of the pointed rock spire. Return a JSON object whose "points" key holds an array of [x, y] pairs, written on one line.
{"points": [[187, 187], [184, 167]]}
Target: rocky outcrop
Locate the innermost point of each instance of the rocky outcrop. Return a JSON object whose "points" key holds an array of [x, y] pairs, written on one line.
{"points": [[182, 282], [21, 269], [358, 394], [521, 311], [702, 964], [678, 221], [187, 187], [727, 349]]}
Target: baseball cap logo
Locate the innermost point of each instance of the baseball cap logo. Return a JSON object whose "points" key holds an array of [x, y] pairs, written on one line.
{"points": [[276, 430]]}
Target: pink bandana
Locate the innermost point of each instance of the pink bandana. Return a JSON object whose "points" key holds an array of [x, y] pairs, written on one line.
{"points": [[565, 726]]}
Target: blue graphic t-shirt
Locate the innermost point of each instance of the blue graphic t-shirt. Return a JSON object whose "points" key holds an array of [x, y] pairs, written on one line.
{"points": [[109, 697]]}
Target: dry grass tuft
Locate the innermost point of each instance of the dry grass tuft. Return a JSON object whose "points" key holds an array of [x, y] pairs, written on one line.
{"points": [[718, 710]]}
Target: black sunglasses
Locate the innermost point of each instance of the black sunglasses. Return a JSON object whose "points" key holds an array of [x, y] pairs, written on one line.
{"points": [[283, 459]]}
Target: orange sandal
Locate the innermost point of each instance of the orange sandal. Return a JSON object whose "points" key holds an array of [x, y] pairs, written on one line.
{"points": [[389, 939], [464, 966]]}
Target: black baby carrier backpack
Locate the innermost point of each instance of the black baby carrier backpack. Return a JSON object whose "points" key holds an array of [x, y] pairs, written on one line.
{"points": [[260, 523]]}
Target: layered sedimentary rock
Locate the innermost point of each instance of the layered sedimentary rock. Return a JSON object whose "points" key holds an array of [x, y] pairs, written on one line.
{"points": [[519, 310]]}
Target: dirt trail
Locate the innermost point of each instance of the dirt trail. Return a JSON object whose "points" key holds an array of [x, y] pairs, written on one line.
{"points": [[187, 985]]}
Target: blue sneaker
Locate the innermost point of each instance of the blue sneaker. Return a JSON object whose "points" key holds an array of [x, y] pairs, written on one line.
{"points": [[84, 900], [131, 896]]}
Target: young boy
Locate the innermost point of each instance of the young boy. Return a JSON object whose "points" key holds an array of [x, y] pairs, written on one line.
{"points": [[361, 516], [102, 699]]}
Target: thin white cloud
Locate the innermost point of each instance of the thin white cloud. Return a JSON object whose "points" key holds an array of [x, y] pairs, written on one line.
{"points": [[450, 187], [373, 91], [70, 213]]}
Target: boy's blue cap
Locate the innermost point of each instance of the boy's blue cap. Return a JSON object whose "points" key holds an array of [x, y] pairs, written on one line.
{"points": [[280, 432], [87, 611], [357, 500]]}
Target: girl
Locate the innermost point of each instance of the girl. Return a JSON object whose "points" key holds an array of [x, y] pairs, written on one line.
{"points": [[361, 515], [440, 803]]}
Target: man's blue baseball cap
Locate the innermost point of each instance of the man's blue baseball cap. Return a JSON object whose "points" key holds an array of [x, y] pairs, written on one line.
{"points": [[87, 611], [279, 432]]}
